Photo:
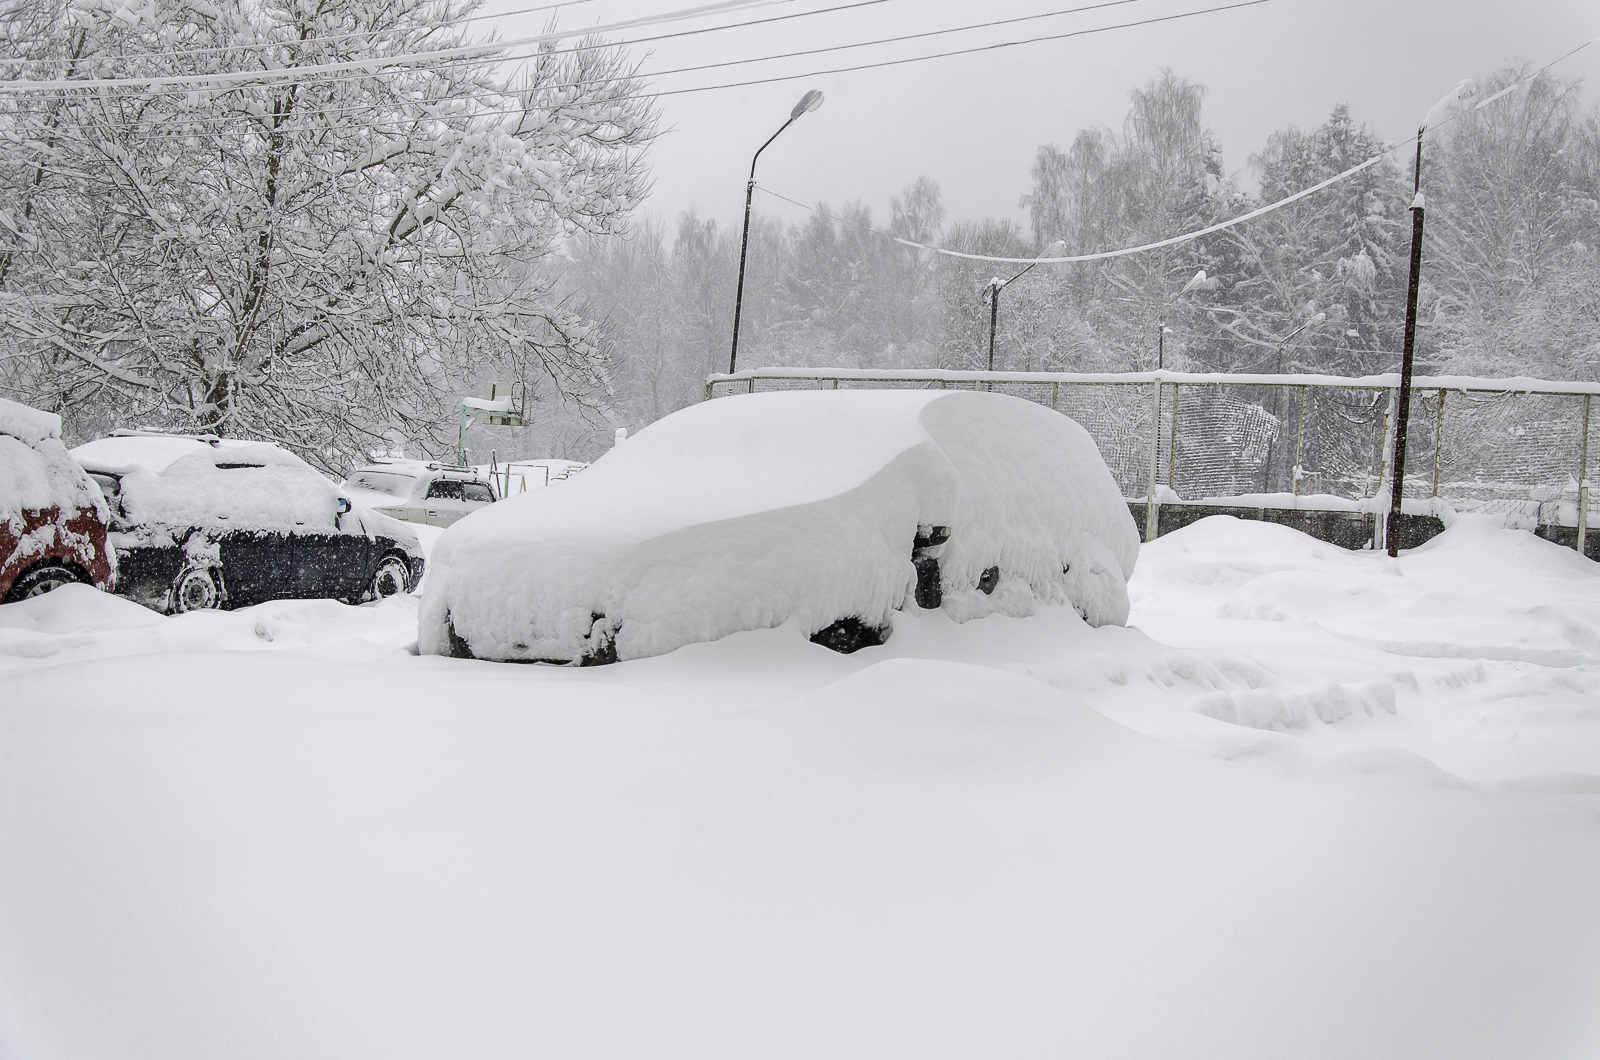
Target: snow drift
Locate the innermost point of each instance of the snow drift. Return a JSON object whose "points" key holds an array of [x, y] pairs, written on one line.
{"points": [[805, 507]]}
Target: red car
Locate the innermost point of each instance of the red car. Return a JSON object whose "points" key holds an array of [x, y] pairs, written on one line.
{"points": [[52, 515]]}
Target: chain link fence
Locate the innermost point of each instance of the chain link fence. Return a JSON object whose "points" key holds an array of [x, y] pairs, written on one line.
{"points": [[1519, 449]]}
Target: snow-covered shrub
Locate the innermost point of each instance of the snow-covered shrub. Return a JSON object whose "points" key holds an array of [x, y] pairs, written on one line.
{"points": [[751, 511]]}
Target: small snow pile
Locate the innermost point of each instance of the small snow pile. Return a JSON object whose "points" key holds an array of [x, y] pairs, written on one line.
{"points": [[803, 507], [255, 486]]}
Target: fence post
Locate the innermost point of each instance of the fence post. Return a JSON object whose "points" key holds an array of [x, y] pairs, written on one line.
{"points": [[1300, 444], [1438, 442], [1583, 476], [751, 387], [1150, 505], [1055, 393], [708, 388], [1172, 442]]}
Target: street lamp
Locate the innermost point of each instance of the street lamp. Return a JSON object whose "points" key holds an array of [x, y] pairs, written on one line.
{"points": [[1436, 114], [996, 285], [808, 102]]}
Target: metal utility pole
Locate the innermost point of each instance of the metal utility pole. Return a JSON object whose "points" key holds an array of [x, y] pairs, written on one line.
{"points": [[808, 102], [996, 285], [1397, 473]]}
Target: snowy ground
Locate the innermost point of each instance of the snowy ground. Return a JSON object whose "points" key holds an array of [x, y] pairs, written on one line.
{"points": [[1313, 804]]}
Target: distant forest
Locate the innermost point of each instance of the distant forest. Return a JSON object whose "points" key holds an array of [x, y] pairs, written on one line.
{"points": [[1511, 273]]}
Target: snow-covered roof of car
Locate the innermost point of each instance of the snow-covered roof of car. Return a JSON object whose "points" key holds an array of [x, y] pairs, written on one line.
{"points": [[801, 505], [28, 425], [156, 452], [181, 481]]}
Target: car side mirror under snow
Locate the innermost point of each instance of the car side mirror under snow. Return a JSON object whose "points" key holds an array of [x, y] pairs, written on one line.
{"points": [[344, 505]]}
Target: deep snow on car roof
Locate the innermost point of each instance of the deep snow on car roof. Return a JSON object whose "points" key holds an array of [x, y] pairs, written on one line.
{"points": [[155, 452], [749, 511]]}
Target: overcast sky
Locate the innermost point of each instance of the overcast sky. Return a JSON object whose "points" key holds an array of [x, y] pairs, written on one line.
{"points": [[974, 122]]}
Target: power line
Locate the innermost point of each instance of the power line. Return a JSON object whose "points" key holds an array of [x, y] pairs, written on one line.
{"points": [[367, 34], [1124, 251], [726, 63], [372, 64], [1208, 230], [791, 77], [861, 66]]}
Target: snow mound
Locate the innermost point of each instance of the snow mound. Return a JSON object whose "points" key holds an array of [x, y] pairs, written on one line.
{"points": [[74, 609], [28, 425], [804, 507]]}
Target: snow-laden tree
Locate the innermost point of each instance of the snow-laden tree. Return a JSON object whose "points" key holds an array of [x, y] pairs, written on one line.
{"points": [[1342, 253], [318, 259], [1513, 224], [1160, 177]]}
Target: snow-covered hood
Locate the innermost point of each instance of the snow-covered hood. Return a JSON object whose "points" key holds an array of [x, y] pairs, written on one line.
{"points": [[376, 524], [750, 511]]}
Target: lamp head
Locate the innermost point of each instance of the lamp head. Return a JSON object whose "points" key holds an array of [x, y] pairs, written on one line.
{"points": [[1055, 250], [808, 102]]}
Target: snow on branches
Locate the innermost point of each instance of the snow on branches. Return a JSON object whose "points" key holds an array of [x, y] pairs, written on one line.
{"points": [[318, 260]]}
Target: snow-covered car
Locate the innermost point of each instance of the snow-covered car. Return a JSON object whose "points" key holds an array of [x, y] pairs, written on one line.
{"points": [[52, 517], [827, 509], [417, 492], [201, 522]]}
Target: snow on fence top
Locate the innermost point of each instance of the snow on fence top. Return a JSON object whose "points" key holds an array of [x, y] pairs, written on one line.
{"points": [[1517, 448], [1384, 381], [748, 513]]}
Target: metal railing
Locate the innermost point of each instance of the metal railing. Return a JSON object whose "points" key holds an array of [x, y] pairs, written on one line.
{"points": [[1517, 448]]}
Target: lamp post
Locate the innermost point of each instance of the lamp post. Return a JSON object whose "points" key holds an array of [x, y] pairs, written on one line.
{"points": [[808, 102], [996, 285], [1391, 525]]}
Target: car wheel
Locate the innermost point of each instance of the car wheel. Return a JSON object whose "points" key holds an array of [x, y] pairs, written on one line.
{"points": [[40, 579], [195, 589], [392, 578]]}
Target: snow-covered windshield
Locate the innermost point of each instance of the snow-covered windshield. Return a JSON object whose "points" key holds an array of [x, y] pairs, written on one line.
{"points": [[383, 482]]}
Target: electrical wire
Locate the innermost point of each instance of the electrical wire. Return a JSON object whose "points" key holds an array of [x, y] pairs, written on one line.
{"points": [[371, 64], [1125, 251], [1186, 237], [658, 93], [756, 59], [366, 34]]}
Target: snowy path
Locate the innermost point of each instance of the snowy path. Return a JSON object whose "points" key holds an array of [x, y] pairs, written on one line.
{"points": [[1366, 827]]}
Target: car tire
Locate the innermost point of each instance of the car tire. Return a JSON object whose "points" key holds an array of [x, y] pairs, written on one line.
{"points": [[195, 589], [40, 579], [392, 578]]}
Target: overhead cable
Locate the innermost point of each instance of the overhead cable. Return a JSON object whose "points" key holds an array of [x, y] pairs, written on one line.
{"points": [[372, 64]]}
